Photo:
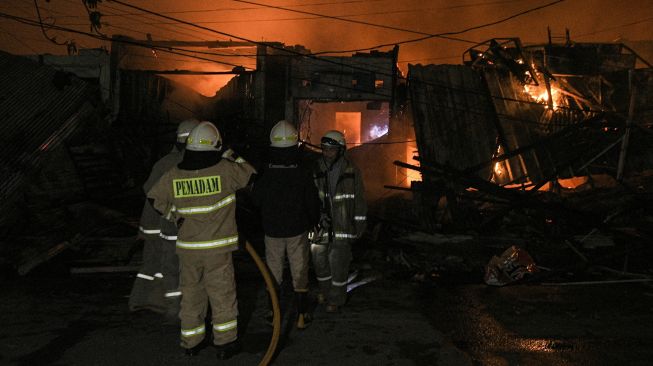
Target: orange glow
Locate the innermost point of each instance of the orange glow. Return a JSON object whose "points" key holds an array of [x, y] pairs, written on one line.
{"points": [[206, 85], [566, 183], [498, 169], [572, 182], [350, 124], [412, 175], [539, 94]]}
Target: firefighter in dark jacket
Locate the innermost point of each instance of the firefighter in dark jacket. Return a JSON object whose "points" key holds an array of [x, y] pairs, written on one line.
{"points": [[155, 287], [290, 207], [342, 220], [201, 194]]}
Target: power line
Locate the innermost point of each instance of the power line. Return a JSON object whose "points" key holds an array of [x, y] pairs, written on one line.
{"points": [[197, 33], [615, 27], [307, 5], [172, 50], [45, 34], [461, 110], [355, 21], [327, 60], [445, 34], [174, 31], [430, 59], [261, 20], [249, 8]]}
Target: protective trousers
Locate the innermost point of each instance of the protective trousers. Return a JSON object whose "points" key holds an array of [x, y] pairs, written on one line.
{"points": [[170, 280], [331, 261], [147, 292], [296, 248], [205, 278]]}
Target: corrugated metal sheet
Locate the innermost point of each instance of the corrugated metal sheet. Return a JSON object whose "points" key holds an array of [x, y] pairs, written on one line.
{"points": [[519, 119], [39, 106], [453, 116]]}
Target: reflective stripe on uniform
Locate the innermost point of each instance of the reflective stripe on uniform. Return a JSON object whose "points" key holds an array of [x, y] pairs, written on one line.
{"points": [[226, 326], [344, 236], [340, 197], [192, 332], [148, 231], [205, 209], [168, 237], [158, 275], [360, 218], [145, 277], [173, 294], [334, 283], [207, 244], [324, 278], [240, 160]]}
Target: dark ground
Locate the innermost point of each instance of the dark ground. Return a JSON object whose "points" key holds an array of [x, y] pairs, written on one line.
{"points": [[429, 305], [448, 318]]}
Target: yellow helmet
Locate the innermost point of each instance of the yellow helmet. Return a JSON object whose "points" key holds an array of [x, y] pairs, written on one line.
{"points": [[283, 134], [204, 137]]}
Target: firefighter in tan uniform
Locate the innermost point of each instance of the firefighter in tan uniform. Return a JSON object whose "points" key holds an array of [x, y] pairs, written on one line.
{"points": [[290, 206], [201, 193], [155, 287], [342, 221]]}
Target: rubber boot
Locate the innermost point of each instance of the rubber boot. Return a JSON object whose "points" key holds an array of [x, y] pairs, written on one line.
{"points": [[303, 317], [227, 351]]}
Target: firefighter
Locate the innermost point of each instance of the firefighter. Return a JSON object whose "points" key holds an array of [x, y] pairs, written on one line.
{"points": [[201, 192], [155, 287], [342, 220], [290, 207]]}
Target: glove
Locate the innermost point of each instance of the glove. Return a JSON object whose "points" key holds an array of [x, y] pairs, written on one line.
{"points": [[325, 222]]}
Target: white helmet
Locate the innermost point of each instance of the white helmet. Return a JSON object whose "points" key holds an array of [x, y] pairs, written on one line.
{"points": [[204, 137], [283, 134], [334, 138], [184, 128]]}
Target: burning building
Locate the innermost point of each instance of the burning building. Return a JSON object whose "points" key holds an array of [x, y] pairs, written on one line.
{"points": [[526, 116]]}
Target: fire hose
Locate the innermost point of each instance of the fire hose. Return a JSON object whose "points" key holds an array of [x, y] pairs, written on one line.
{"points": [[276, 311]]}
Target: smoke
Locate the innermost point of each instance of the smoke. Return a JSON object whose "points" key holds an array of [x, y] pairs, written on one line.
{"points": [[597, 20]]}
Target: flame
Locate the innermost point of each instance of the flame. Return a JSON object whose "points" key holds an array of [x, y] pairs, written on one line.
{"points": [[350, 125], [539, 94], [412, 175]]}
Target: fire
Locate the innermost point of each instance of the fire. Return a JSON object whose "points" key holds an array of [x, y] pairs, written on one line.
{"points": [[412, 175], [539, 94]]}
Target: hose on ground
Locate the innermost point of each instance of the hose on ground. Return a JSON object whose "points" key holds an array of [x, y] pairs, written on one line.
{"points": [[276, 311]]}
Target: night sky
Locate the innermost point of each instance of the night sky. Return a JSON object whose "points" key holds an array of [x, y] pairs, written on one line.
{"points": [[587, 20]]}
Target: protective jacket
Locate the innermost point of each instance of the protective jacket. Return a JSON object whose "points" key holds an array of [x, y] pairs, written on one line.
{"points": [[205, 199], [345, 208], [286, 195]]}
